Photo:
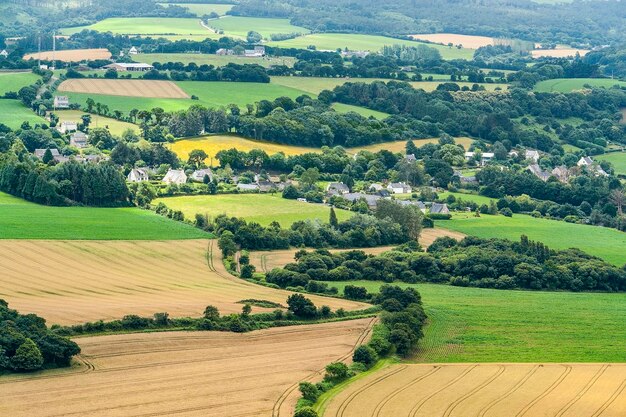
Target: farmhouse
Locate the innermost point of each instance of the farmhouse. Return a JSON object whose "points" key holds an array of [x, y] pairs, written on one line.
{"points": [[56, 156], [438, 208], [247, 187], [371, 200], [587, 162], [419, 204], [410, 157], [133, 51], [66, 127], [61, 102], [375, 187], [79, 140], [538, 172], [485, 157], [130, 67], [399, 188], [257, 52], [357, 54], [561, 173], [199, 175], [137, 175], [224, 52], [175, 176], [532, 155], [335, 188]]}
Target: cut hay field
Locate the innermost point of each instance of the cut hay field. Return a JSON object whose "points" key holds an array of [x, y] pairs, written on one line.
{"points": [[363, 111], [13, 113], [126, 88], [238, 26], [202, 9], [618, 159], [20, 219], [566, 85], [355, 42], [400, 145], [493, 390], [483, 325], [254, 207], [468, 41], [606, 243], [13, 81], [212, 59], [73, 55], [116, 127], [213, 374], [558, 53], [265, 261], [92, 280]]}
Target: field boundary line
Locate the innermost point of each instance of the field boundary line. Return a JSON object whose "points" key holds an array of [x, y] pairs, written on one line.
{"points": [[510, 392], [419, 405], [546, 392], [583, 391], [611, 399], [464, 397]]}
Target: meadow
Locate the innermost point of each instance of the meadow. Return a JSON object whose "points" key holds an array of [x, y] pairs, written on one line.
{"points": [[618, 159], [13, 113], [356, 42], [363, 111], [202, 9], [20, 219], [237, 26], [566, 85], [608, 244], [468, 41], [13, 81], [259, 208], [171, 28], [116, 127], [484, 325], [212, 374], [212, 59]]}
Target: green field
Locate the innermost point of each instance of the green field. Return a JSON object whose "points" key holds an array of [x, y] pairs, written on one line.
{"points": [[240, 26], [13, 81], [478, 199], [565, 85], [618, 159], [116, 127], [260, 208], [171, 28], [13, 113], [363, 111], [374, 43], [609, 244], [202, 9], [482, 325], [20, 219], [211, 59]]}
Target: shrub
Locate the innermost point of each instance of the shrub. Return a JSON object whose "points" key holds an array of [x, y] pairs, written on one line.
{"points": [[305, 412], [366, 355], [309, 391], [337, 372], [506, 212]]}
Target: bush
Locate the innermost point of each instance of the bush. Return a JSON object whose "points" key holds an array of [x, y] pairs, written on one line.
{"points": [[309, 391], [27, 357], [337, 372], [305, 412], [366, 355], [506, 212]]}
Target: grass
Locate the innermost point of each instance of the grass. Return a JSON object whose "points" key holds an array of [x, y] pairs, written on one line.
{"points": [[482, 325], [240, 26], [618, 159], [374, 43], [13, 81], [20, 219], [608, 244], [202, 9], [363, 111], [211, 59], [13, 113], [116, 127], [260, 208], [400, 145], [565, 85], [478, 199]]}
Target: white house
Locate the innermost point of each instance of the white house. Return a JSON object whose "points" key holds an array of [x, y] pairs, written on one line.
{"points": [[335, 188], [66, 127], [133, 51], [175, 176], [585, 161], [61, 102], [138, 175], [4, 53], [79, 140], [532, 154], [199, 174], [485, 157], [375, 187], [399, 188], [257, 52]]}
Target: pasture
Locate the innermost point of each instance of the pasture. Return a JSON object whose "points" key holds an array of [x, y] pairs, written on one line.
{"points": [[566, 85], [494, 390], [202, 9], [238, 26], [363, 111], [357, 42], [13, 113], [93, 280], [483, 325], [126, 88], [468, 41], [116, 127], [608, 244], [13, 81], [618, 159], [212, 59], [20, 219], [72, 55], [259, 208], [211, 374]]}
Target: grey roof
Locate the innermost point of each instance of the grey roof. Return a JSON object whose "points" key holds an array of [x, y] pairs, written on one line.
{"points": [[39, 153], [247, 187], [371, 200], [438, 208]]}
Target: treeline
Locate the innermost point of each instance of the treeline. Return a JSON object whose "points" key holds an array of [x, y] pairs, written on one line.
{"points": [[26, 343]]}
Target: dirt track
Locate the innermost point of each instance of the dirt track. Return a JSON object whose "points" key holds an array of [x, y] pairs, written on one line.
{"points": [[185, 373], [487, 390], [126, 88]]}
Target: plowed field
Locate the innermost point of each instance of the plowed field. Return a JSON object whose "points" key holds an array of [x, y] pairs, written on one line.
{"points": [[185, 373], [487, 390], [69, 282], [127, 88], [72, 55]]}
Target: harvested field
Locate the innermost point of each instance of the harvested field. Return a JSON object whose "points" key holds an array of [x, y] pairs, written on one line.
{"points": [[558, 53], [69, 282], [72, 55], [486, 390], [265, 261], [127, 88], [185, 373], [468, 41]]}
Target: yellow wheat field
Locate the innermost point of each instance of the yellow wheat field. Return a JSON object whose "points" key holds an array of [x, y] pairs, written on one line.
{"points": [[265, 261], [69, 282], [185, 373], [486, 390], [558, 53], [127, 88], [72, 55]]}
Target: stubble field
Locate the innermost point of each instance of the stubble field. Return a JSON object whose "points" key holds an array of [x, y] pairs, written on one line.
{"points": [[127, 88], [486, 390], [69, 282], [185, 373], [72, 55]]}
